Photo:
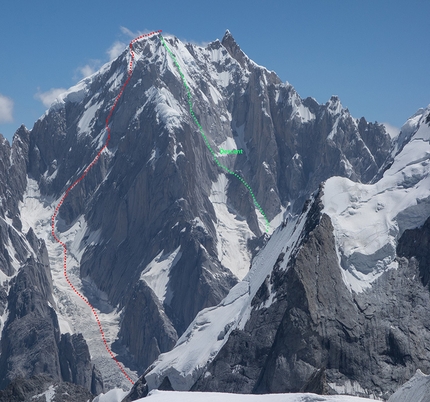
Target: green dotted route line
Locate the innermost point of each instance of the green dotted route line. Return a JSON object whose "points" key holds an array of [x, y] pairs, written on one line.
{"points": [[190, 103]]}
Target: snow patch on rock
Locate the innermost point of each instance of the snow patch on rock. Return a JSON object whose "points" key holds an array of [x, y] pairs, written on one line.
{"points": [[156, 273]]}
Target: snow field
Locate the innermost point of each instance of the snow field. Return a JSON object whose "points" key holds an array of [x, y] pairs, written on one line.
{"points": [[176, 396], [369, 218], [232, 233], [156, 273]]}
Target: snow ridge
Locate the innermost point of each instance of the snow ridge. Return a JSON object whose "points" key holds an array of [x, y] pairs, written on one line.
{"points": [[211, 328], [369, 218]]}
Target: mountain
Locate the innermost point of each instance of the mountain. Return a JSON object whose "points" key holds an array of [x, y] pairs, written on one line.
{"points": [[31, 341], [335, 302], [171, 248]]}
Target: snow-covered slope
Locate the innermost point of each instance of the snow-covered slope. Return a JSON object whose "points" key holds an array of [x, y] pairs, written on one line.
{"points": [[174, 396], [369, 218], [209, 331], [417, 389], [160, 396]]}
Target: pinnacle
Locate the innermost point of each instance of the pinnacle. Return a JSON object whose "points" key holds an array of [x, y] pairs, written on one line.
{"points": [[233, 48]]}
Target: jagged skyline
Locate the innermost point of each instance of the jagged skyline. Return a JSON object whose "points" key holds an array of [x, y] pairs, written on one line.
{"points": [[351, 50]]}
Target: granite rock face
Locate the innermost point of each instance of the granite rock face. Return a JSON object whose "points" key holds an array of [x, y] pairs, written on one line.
{"points": [[75, 363], [153, 191], [414, 244], [157, 336], [41, 387], [31, 333], [317, 335], [13, 174], [32, 348], [31, 342]]}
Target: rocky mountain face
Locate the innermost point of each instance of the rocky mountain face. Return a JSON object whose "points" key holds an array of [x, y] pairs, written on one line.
{"points": [[344, 311], [365, 343], [41, 388], [159, 236], [31, 343], [162, 237]]}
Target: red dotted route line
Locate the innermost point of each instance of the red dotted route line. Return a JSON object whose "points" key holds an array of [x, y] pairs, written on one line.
{"points": [[88, 168]]}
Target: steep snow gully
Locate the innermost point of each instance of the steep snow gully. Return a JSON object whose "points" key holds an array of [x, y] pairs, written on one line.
{"points": [[66, 193], [96, 158]]}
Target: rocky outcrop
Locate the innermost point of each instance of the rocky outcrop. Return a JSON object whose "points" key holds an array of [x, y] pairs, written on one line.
{"points": [[75, 363], [31, 343], [41, 387], [139, 390], [13, 174], [414, 243], [31, 334], [145, 330], [317, 335]]}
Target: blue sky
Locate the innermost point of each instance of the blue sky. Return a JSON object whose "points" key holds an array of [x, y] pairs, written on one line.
{"points": [[373, 54]]}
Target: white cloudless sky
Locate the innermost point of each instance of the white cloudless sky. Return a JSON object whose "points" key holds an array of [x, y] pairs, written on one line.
{"points": [[373, 54]]}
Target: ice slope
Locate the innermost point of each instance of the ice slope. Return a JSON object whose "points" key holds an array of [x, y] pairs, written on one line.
{"points": [[211, 328], [369, 219]]}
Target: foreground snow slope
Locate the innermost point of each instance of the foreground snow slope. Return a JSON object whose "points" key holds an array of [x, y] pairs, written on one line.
{"points": [[160, 396], [175, 396], [417, 389]]}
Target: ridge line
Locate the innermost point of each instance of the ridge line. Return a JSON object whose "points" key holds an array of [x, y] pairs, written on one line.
{"points": [[70, 188]]}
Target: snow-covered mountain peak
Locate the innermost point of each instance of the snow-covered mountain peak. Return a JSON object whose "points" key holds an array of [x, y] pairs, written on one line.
{"points": [[369, 219], [411, 127]]}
